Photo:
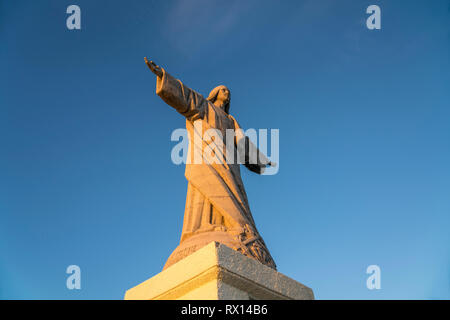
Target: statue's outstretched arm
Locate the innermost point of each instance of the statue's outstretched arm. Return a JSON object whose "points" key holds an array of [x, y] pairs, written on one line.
{"points": [[153, 67], [248, 154], [255, 160], [186, 101]]}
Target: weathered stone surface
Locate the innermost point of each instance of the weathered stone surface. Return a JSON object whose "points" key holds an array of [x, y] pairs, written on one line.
{"points": [[218, 272], [217, 207]]}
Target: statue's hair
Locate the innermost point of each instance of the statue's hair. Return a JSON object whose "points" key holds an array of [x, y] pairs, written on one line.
{"points": [[213, 96]]}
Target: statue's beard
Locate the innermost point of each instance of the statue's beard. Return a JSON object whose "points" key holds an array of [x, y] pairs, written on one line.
{"points": [[223, 105], [226, 106]]}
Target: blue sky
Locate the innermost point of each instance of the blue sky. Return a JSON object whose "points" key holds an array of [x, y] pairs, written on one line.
{"points": [[85, 170]]}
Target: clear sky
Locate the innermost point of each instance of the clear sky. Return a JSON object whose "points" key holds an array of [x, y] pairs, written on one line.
{"points": [[364, 119]]}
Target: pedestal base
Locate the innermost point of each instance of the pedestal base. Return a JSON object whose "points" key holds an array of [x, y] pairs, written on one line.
{"points": [[216, 272]]}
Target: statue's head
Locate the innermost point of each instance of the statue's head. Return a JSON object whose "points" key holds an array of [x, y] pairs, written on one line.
{"points": [[220, 96]]}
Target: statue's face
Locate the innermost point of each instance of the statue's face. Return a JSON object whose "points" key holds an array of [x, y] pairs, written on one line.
{"points": [[223, 96]]}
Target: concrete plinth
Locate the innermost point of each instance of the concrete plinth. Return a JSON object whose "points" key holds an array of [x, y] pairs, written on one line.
{"points": [[217, 272]]}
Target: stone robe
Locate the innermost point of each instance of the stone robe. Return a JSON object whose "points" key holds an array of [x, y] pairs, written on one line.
{"points": [[217, 207]]}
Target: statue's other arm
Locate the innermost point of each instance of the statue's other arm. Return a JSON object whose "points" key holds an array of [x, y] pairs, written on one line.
{"points": [[250, 156], [255, 160], [186, 101]]}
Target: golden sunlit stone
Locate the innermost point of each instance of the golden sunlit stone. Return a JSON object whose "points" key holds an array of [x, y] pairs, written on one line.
{"points": [[216, 272]]}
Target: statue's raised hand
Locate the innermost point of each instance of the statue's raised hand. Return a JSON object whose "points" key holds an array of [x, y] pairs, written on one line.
{"points": [[153, 67]]}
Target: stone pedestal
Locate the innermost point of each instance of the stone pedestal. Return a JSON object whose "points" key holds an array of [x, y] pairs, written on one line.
{"points": [[217, 272]]}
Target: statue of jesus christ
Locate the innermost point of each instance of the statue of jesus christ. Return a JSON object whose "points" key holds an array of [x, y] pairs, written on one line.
{"points": [[217, 207]]}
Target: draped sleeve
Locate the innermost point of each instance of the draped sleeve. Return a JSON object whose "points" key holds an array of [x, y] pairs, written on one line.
{"points": [[186, 101], [248, 153]]}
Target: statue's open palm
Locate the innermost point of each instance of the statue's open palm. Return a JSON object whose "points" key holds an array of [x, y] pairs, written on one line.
{"points": [[153, 67]]}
